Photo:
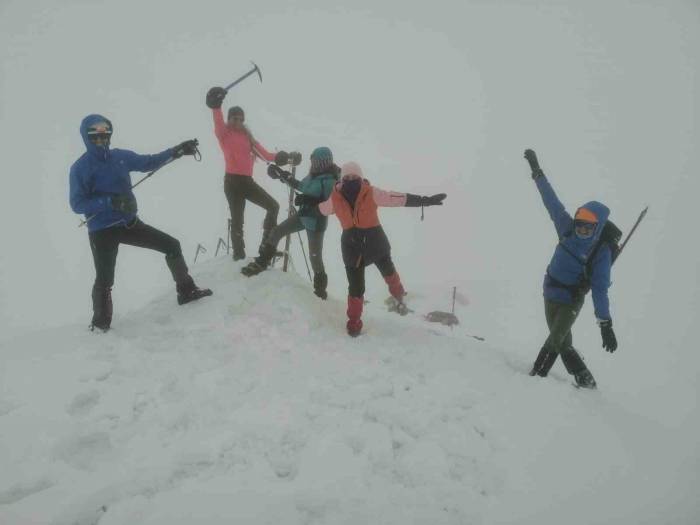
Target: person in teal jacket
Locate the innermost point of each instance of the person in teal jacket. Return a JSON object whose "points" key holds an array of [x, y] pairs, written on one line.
{"points": [[314, 188]]}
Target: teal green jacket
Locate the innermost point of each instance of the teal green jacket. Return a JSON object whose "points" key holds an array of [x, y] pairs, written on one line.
{"points": [[319, 185]]}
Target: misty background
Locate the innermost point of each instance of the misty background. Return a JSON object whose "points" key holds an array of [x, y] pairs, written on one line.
{"points": [[428, 98]]}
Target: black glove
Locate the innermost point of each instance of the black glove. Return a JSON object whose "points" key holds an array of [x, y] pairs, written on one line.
{"points": [[422, 200], [282, 158], [124, 203], [609, 339], [294, 158], [189, 147], [308, 200], [531, 157], [275, 172], [215, 97]]}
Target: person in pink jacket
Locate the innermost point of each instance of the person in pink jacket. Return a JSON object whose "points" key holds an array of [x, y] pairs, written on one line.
{"points": [[240, 151]]}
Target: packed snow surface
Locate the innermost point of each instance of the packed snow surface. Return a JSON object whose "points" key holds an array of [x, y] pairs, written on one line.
{"points": [[254, 406]]}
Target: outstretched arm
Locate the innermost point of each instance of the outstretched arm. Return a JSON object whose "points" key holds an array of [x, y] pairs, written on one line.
{"points": [[261, 152], [136, 162], [389, 199]]}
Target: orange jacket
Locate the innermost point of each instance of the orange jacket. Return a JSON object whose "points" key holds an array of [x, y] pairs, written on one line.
{"points": [[364, 214]]}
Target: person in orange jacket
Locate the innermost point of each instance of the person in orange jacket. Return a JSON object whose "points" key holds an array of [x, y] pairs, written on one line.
{"points": [[363, 242], [240, 151]]}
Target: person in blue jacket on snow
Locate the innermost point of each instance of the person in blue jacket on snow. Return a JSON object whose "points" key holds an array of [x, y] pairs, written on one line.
{"points": [[100, 188], [581, 261]]}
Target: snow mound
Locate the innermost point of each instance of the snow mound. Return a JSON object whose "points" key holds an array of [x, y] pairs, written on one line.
{"points": [[253, 406]]}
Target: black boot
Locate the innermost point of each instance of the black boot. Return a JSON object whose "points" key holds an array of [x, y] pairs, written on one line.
{"points": [[544, 362], [101, 308], [320, 285], [261, 262], [187, 292], [576, 367], [238, 246]]}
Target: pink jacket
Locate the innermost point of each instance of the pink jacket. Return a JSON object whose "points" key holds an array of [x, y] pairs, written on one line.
{"points": [[239, 153]]}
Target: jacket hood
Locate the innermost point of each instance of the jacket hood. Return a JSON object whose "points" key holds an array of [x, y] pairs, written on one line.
{"points": [[90, 120], [581, 248], [602, 212]]}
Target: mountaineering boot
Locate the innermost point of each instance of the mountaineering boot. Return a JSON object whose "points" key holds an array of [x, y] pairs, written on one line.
{"points": [[396, 305], [576, 367], [261, 262], [320, 285], [543, 363], [354, 324], [238, 246], [395, 302], [187, 292], [101, 308]]}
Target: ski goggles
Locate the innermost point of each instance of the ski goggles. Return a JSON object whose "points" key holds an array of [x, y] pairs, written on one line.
{"points": [[584, 229], [99, 131]]}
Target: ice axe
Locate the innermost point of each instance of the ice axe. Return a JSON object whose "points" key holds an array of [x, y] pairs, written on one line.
{"points": [[255, 69]]}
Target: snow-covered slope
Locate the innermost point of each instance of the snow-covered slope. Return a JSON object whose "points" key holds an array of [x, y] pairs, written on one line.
{"points": [[253, 406]]}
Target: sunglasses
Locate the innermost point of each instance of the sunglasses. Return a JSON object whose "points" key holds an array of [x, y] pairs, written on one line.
{"points": [[584, 229], [97, 137]]}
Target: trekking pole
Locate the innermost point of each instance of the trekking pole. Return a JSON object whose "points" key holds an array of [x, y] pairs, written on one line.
{"points": [[639, 219], [301, 243], [218, 245], [201, 249], [254, 70], [84, 222], [197, 156], [150, 174], [288, 239]]}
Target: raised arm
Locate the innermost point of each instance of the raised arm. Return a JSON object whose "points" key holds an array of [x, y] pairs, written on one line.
{"points": [[219, 124], [560, 217]]}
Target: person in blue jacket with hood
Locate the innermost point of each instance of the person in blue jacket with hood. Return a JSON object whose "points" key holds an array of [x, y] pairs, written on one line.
{"points": [[100, 188], [316, 187], [581, 261]]}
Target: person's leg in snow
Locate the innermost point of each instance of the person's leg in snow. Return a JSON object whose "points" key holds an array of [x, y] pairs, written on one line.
{"points": [[145, 236], [356, 292], [104, 245], [316, 258], [234, 189], [268, 248], [560, 319], [391, 277], [258, 196]]}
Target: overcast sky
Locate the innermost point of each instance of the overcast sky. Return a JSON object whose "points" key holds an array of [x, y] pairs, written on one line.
{"points": [[432, 97]]}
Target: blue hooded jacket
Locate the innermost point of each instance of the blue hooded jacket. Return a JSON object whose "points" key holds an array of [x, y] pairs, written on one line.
{"points": [[568, 263], [101, 173]]}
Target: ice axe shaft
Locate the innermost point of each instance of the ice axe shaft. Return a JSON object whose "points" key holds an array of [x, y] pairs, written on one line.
{"points": [[255, 69]]}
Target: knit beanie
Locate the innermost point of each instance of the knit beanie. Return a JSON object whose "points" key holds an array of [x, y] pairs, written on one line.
{"points": [[321, 159]]}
